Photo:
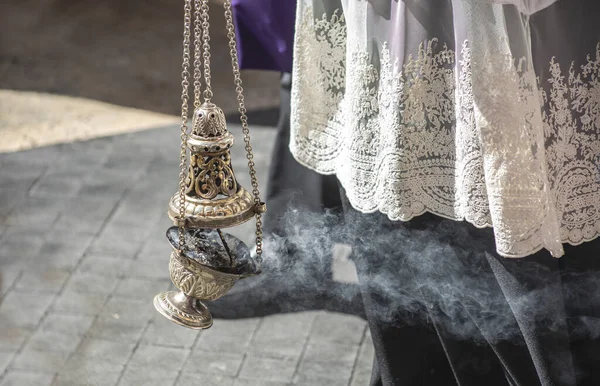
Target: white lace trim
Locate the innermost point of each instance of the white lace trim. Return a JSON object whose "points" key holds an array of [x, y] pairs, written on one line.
{"points": [[417, 138]]}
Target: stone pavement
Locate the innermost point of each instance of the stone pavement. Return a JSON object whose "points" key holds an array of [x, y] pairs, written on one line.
{"points": [[82, 253]]}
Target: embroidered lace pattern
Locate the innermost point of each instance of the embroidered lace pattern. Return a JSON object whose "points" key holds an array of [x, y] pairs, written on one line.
{"points": [[412, 138]]}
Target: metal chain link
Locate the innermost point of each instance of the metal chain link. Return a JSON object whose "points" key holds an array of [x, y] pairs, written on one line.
{"points": [[184, 118], [244, 119], [208, 94], [197, 54]]}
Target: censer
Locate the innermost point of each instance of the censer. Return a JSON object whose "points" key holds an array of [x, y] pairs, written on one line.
{"points": [[205, 262]]}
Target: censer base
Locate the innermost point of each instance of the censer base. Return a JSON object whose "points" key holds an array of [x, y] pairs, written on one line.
{"points": [[183, 310]]}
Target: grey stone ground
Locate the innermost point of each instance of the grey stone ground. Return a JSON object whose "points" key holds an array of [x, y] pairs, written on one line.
{"points": [[82, 253]]}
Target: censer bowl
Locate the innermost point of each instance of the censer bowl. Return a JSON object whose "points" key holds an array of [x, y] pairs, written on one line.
{"points": [[210, 264]]}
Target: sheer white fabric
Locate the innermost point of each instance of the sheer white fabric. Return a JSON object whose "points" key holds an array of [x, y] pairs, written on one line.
{"points": [[525, 6], [428, 106]]}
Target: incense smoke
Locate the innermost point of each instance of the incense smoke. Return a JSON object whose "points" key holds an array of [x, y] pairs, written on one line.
{"points": [[437, 269]]}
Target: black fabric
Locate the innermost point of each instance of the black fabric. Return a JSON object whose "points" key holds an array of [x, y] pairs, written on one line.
{"points": [[515, 323]]}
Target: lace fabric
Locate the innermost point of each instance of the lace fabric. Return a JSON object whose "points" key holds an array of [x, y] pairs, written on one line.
{"points": [[461, 125]]}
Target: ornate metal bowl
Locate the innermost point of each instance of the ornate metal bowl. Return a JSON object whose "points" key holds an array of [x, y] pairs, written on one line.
{"points": [[208, 267]]}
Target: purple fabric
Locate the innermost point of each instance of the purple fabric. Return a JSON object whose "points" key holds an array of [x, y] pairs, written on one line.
{"points": [[265, 33]]}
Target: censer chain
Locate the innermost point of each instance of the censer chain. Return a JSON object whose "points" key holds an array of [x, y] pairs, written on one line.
{"points": [[184, 119], [198, 24], [206, 54], [244, 119]]}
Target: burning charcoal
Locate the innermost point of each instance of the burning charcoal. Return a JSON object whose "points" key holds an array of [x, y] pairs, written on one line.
{"points": [[212, 248]]}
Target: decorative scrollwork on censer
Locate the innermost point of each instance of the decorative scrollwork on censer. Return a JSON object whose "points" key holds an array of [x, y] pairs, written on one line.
{"points": [[198, 282], [217, 213], [210, 176]]}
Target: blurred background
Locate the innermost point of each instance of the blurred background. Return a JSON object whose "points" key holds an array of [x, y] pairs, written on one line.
{"points": [[89, 130], [126, 53]]}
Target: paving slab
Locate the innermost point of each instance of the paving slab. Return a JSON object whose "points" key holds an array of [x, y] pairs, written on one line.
{"points": [[68, 324], [59, 251], [91, 283], [265, 368], [231, 336], [345, 329], [187, 379], [160, 332], [44, 280], [24, 309], [143, 377], [211, 362], [117, 353], [362, 371], [323, 373], [5, 359], [116, 330], [36, 361], [53, 341], [12, 337], [72, 302], [24, 377]]}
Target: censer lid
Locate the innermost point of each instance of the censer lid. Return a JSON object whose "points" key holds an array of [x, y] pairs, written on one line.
{"points": [[212, 248]]}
